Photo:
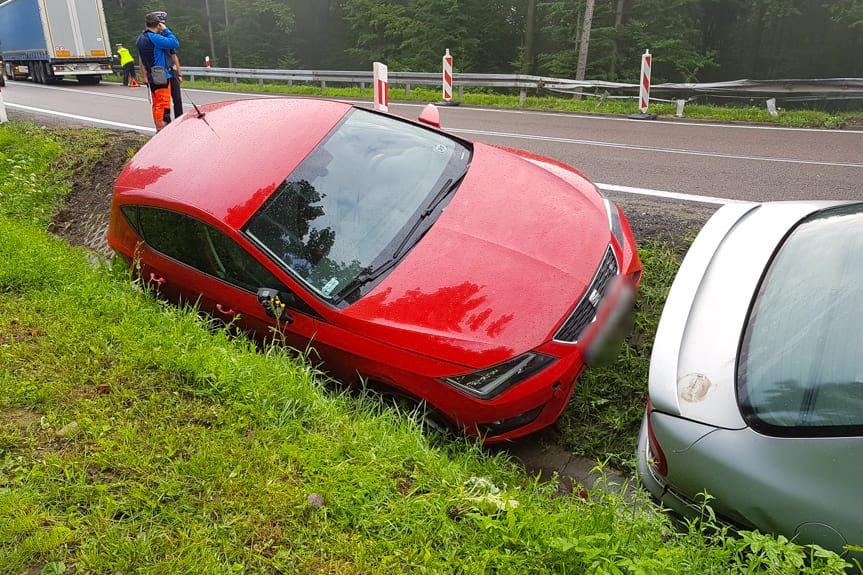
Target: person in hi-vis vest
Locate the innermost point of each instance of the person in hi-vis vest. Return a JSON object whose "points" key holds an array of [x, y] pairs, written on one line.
{"points": [[127, 62]]}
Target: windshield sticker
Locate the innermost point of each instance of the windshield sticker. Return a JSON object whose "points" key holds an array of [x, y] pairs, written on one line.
{"points": [[329, 287]]}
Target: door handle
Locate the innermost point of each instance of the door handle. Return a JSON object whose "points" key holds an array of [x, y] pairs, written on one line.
{"points": [[225, 310], [154, 279]]}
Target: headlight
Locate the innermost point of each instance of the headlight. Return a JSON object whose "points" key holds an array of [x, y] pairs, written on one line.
{"points": [[493, 381], [614, 220]]}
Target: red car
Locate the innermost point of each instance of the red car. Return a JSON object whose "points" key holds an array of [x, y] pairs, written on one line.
{"points": [[476, 280]]}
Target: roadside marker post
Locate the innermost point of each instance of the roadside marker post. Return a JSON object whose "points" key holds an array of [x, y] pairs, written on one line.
{"points": [[447, 77], [644, 89], [382, 89], [206, 61]]}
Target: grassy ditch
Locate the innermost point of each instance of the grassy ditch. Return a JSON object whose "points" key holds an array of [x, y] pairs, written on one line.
{"points": [[134, 438]]}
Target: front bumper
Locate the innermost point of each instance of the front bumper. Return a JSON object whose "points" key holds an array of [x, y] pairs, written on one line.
{"points": [[555, 385]]}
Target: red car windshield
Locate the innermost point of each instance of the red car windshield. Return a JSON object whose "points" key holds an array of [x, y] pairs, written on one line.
{"points": [[354, 197]]}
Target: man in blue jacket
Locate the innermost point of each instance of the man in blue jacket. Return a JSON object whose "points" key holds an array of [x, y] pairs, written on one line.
{"points": [[154, 50]]}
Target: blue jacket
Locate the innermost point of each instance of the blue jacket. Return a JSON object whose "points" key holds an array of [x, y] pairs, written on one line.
{"points": [[155, 49]]}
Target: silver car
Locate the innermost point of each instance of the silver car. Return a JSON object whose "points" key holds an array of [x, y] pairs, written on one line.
{"points": [[756, 377]]}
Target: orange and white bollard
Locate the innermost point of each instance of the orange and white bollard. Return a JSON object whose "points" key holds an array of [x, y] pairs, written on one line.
{"points": [[447, 77], [382, 89], [644, 89]]}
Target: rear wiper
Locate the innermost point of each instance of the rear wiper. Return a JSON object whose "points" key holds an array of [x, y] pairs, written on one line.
{"points": [[371, 273]]}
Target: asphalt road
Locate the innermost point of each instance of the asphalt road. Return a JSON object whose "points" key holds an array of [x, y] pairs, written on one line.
{"points": [[680, 159]]}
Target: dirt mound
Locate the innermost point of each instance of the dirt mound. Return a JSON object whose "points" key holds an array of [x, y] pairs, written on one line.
{"points": [[84, 219]]}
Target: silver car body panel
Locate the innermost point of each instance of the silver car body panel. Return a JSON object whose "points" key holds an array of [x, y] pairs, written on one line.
{"points": [[745, 485], [778, 484], [693, 363]]}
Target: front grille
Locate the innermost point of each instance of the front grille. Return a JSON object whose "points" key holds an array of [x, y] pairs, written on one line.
{"points": [[585, 311]]}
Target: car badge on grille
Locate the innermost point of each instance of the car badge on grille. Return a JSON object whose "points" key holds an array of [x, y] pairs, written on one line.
{"points": [[595, 297]]}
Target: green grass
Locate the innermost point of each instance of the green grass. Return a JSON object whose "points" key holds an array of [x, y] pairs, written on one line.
{"points": [[136, 439], [608, 403], [549, 101]]}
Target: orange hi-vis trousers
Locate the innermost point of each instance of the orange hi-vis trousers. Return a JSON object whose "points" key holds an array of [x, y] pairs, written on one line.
{"points": [[162, 107]]}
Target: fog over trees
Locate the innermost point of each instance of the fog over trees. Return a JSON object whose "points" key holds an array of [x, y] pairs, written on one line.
{"points": [[691, 40]]}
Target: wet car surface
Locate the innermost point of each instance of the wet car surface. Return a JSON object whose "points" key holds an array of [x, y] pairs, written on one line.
{"points": [[476, 280]]}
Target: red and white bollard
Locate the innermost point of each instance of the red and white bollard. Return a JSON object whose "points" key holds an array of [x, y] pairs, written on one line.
{"points": [[382, 88], [206, 61], [644, 89], [447, 77]]}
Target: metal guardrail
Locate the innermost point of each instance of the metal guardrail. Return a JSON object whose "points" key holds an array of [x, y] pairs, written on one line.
{"points": [[850, 88]]}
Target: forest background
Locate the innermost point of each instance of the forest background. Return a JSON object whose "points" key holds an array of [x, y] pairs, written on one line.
{"points": [[691, 40]]}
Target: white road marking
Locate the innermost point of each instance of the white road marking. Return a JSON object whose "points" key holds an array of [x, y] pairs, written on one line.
{"points": [[90, 92], [655, 149], [675, 122], [668, 195], [82, 118]]}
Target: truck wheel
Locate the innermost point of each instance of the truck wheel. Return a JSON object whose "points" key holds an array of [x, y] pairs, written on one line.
{"points": [[36, 72], [48, 73]]}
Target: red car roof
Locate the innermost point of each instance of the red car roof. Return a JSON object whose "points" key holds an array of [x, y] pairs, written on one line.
{"points": [[213, 172]]}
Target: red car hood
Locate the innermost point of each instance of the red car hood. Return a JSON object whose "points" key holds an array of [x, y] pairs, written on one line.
{"points": [[499, 271]]}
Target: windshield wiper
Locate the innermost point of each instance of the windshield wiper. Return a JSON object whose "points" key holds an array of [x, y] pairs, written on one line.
{"points": [[368, 274], [445, 190], [371, 273]]}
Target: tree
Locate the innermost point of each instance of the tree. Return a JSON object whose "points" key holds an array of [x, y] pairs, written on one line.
{"points": [[413, 34], [585, 40], [528, 63], [260, 32]]}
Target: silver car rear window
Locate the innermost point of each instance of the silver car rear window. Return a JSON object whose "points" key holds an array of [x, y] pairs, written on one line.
{"points": [[800, 368]]}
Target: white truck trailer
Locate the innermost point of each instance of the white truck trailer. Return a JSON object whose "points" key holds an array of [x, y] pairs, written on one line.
{"points": [[49, 40]]}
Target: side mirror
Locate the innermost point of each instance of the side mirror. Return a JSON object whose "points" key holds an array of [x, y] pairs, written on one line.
{"points": [[431, 116], [273, 305]]}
